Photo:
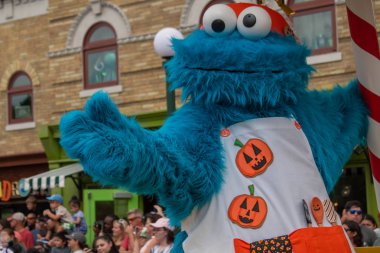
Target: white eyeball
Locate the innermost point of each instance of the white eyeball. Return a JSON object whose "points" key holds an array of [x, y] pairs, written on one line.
{"points": [[254, 23], [219, 20]]}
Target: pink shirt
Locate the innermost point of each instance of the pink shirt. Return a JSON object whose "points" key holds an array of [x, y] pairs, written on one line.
{"points": [[125, 243], [27, 238]]}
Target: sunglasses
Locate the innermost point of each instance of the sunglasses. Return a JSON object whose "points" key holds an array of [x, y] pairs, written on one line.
{"points": [[358, 212], [133, 218]]}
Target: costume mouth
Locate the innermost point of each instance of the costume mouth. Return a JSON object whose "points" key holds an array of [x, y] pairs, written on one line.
{"points": [[260, 164], [245, 220], [239, 71]]}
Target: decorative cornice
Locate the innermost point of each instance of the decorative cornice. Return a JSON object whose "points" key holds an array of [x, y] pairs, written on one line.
{"points": [[131, 39], [185, 11], [17, 2], [85, 12], [66, 51]]}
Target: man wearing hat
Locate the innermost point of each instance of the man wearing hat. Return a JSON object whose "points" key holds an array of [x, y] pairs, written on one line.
{"points": [[76, 242], [16, 222]]}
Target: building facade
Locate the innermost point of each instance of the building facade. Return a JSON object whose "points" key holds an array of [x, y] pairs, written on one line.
{"points": [[55, 54]]}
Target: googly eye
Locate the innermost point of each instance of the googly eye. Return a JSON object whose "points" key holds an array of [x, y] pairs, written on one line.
{"points": [[219, 20], [254, 23]]}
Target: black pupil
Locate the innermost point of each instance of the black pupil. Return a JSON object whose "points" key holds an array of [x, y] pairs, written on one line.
{"points": [[249, 20], [218, 25]]}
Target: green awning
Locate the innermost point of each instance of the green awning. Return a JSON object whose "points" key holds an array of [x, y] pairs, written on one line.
{"points": [[51, 179]]}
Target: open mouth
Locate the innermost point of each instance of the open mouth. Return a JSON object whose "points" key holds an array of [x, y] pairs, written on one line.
{"points": [[239, 71]]}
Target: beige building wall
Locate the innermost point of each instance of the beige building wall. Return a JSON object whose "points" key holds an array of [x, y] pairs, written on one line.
{"points": [[41, 47]]}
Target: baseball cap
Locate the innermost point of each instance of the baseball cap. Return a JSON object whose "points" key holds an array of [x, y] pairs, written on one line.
{"points": [[55, 197], [162, 223], [77, 237], [17, 216]]}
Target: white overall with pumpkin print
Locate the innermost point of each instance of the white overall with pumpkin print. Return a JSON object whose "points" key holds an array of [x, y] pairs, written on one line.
{"points": [[291, 177]]}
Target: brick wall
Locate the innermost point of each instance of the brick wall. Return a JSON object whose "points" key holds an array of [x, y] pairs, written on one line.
{"points": [[59, 79]]}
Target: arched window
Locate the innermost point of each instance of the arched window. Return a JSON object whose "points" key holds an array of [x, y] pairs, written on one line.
{"points": [[20, 99], [314, 22], [100, 57], [211, 3]]}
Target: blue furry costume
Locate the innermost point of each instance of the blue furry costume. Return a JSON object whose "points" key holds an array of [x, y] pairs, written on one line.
{"points": [[227, 77]]}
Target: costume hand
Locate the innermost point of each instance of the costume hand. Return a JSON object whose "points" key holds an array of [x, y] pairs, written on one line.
{"points": [[97, 137]]}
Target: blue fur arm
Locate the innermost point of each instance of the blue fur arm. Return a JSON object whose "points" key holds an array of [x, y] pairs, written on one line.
{"points": [[181, 164], [97, 137], [334, 123]]}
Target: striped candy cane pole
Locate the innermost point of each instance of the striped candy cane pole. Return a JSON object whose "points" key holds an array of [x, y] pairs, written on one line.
{"points": [[367, 57]]}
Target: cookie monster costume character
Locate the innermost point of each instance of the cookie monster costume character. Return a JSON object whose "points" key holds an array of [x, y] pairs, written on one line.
{"points": [[236, 163]]}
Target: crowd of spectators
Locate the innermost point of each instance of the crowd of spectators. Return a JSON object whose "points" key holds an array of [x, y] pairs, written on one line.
{"points": [[361, 229], [59, 230]]}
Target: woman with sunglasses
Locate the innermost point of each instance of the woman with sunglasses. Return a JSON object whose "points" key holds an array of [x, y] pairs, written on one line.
{"points": [[354, 233], [162, 239]]}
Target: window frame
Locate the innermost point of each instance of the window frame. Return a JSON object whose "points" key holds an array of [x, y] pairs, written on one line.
{"points": [[99, 46], [17, 91], [317, 6]]}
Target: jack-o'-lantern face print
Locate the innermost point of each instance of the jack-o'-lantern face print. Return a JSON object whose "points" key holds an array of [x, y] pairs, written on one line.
{"points": [[248, 211], [254, 157]]}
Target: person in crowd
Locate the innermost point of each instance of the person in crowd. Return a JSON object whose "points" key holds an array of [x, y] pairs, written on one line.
{"points": [[57, 211], [119, 235], [31, 206], [9, 242], [354, 232], [53, 227], [58, 243], [370, 222], [108, 224], [353, 211], [97, 228], [135, 218], [31, 219], [78, 216], [162, 241], [76, 242], [17, 221], [105, 244], [4, 224], [149, 219], [42, 228]]}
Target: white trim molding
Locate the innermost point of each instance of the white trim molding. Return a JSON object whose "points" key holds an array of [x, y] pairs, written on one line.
{"points": [[20, 126], [96, 12], [324, 58], [109, 90], [11, 10]]}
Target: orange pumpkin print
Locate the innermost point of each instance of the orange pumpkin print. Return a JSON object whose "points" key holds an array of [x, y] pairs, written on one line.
{"points": [[254, 157], [317, 210], [248, 211]]}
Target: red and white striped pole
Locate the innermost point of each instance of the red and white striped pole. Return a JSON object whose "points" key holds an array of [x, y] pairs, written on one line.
{"points": [[367, 57]]}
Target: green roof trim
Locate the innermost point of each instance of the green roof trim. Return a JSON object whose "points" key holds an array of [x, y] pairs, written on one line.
{"points": [[50, 136]]}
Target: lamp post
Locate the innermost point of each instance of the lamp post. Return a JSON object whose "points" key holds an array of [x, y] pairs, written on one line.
{"points": [[163, 47]]}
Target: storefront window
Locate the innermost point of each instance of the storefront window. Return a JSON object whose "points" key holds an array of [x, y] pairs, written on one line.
{"points": [[20, 99], [100, 57], [314, 23]]}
